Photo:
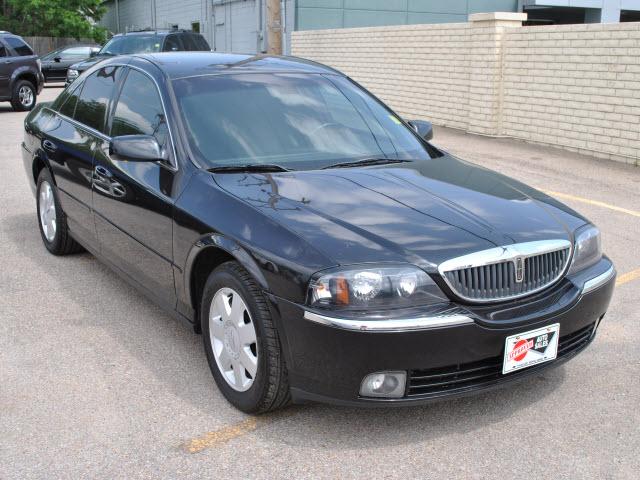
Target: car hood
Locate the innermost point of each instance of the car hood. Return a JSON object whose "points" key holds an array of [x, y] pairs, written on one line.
{"points": [[89, 62], [422, 212]]}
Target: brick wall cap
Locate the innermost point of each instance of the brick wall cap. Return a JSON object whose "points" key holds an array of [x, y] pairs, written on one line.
{"points": [[494, 16]]}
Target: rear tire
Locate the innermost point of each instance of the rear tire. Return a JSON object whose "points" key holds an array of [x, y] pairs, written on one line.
{"points": [[23, 96], [51, 219], [237, 330]]}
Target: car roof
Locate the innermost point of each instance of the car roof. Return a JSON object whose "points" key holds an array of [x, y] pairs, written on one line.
{"points": [[153, 32], [190, 64]]}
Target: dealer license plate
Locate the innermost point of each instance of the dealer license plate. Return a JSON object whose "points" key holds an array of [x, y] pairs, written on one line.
{"points": [[531, 348]]}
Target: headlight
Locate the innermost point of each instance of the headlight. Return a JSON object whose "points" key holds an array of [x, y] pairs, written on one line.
{"points": [[374, 287], [587, 249], [72, 74]]}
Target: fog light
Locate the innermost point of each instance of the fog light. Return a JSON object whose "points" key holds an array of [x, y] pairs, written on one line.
{"points": [[384, 384]]}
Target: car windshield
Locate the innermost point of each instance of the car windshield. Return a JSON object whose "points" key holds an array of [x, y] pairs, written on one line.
{"points": [[298, 121], [132, 44]]}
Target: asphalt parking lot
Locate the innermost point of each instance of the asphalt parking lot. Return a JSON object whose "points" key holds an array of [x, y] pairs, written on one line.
{"points": [[97, 382]]}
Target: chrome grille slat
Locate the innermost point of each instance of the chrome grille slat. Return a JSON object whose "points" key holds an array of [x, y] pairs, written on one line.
{"points": [[490, 275]]}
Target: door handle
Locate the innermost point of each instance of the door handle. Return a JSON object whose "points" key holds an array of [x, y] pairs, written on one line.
{"points": [[49, 146], [102, 172]]}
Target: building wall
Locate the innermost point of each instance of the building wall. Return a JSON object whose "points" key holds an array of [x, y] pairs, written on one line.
{"points": [[322, 14], [228, 25], [570, 86]]}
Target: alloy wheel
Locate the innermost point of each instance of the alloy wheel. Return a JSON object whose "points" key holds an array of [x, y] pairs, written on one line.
{"points": [[47, 208], [233, 339], [25, 96]]}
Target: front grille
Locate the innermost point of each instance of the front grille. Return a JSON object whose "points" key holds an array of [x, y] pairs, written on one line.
{"points": [[467, 376], [517, 271]]}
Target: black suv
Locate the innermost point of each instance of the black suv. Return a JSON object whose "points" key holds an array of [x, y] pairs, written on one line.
{"points": [[21, 78], [144, 41]]}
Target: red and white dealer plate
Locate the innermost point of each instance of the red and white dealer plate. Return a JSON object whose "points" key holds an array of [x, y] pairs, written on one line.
{"points": [[531, 348]]}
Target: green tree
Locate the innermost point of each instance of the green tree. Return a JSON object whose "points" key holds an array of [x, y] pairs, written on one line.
{"points": [[53, 18]]}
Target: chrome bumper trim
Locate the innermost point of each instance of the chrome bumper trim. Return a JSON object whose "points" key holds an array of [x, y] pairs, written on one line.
{"points": [[395, 325], [601, 279]]}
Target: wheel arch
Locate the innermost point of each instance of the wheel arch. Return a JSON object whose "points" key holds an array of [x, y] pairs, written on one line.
{"points": [[24, 74], [37, 165], [209, 252]]}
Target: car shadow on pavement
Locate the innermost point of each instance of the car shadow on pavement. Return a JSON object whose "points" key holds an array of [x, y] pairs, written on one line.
{"points": [[330, 427], [147, 334]]}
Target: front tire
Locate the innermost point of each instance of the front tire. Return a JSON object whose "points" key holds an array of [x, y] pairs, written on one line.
{"points": [[51, 219], [242, 344], [23, 97]]}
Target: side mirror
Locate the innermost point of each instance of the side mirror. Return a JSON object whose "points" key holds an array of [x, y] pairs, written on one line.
{"points": [[93, 53], [424, 129], [57, 59], [136, 148]]}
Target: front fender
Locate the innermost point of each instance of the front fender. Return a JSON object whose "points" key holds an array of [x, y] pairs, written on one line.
{"points": [[231, 247]]}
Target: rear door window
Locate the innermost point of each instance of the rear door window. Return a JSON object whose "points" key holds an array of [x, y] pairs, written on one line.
{"points": [[95, 97], [3, 50], [21, 48]]}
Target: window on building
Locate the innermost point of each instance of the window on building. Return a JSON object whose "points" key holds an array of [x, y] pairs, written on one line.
{"points": [[21, 48], [94, 99]]}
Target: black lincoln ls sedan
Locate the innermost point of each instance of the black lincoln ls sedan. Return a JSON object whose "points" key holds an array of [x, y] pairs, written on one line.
{"points": [[322, 246]]}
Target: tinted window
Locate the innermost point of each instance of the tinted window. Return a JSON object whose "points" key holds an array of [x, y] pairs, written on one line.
{"points": [[95, 96], [132, 44], [139, 110], [3, 50], [19, 46], [173, 44], [196, 43]]}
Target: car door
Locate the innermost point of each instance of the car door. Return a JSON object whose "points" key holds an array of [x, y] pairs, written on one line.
{"points": [[5, 72], [69, 142], [66, 58], [133, 201]]}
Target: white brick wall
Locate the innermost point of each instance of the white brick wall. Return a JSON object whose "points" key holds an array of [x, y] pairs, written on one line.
{"points": [[575, 86], [572, 86]]}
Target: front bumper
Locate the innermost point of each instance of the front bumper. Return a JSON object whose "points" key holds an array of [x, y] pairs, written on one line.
{"points": [[327, 360]]}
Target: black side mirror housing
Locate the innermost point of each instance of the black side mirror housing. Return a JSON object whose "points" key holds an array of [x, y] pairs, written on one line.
{"points": [[57, 59], [92, 54], [422, 128], [136, 148]]}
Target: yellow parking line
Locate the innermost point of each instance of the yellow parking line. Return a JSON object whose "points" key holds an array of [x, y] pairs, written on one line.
{"points": [[597, 203], [222, 435], [628, 277]]}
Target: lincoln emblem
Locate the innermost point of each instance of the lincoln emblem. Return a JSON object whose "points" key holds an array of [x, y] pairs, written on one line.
{"points": [[519, 264]]}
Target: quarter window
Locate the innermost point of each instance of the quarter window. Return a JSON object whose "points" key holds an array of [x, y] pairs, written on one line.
{"points": [[139, 110], [67, 101], [21, 48], [95, 96], [3, 50]]}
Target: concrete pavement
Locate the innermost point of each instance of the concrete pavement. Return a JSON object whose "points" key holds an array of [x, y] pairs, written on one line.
{"points": [[97, 382]]}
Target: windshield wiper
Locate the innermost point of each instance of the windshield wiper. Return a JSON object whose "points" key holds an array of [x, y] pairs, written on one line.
{"points": [[249, 167], [365, 162]]}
